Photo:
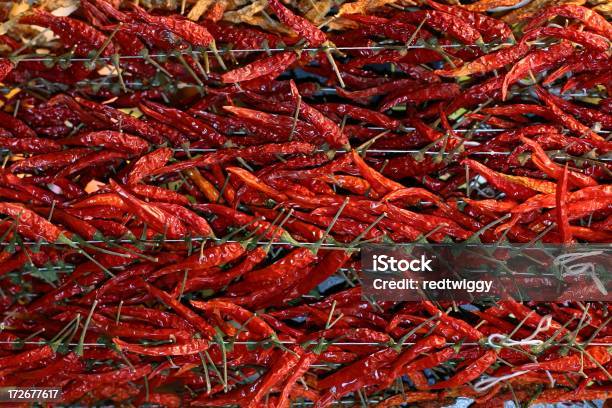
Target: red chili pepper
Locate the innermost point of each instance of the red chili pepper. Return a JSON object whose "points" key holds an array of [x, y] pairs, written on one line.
{"points": [[26, 357], [146, 165], [29, 145], [501, 181], [544, 163], [490, 28], [119, 121], [196, 224], [159, 194], [47, 161], [567, 120], [183, 121], [162, 221], [488, 62], [355, 112], [17, 127], [191, 32], [585, 38], [329, 130], [268, 67], [122, 142], [238, 314], [365, 372], [574, 362], [252, 181], [194, 346], [536, 62], [196, 321], [469, 373], [451, 24], [207, 258], [300, 25], [588, 17], [31, 224], [424, 94], [73, 33]]}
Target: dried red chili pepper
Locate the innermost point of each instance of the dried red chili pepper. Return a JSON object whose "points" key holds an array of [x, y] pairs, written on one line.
{"points": [[566, 119], [469, 373], [109, 139], [162, 221], [271, 66], [300, 25], [194, 346], [191, 32], [488, 62], [490, 28], [146, 165], [183, 122], [536, 62], [196, 321], [73, 33], [329, 130], [588, 17], [451, 24], [424, 94]]}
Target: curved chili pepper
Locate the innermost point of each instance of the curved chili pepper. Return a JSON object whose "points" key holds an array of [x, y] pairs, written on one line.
{"points": [[543, 162], [589, 18], [567, 120], [31, 224], [572, 363], [501, 181], [146, 165], [241, 315], [367, 371], [29, 145], [208, 258], [585, 38], [162, 221], [198, 322], [332, 133], [300, 25], [469, 373], [534, 63], [252, 181]]}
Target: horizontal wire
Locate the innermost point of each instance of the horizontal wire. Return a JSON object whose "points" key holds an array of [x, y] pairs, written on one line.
{"points": [[289, 343], [247, 50]]}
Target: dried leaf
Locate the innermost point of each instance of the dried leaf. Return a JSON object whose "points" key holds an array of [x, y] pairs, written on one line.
{"points": [[484, 5], [199, 9], [363, 6], [318, 11]]}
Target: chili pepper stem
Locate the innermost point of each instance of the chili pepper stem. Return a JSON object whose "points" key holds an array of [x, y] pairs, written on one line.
{"points": [[79, 348]]}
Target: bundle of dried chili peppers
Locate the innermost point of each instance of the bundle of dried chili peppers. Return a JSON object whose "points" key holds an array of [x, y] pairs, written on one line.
{"points": [[185, 189]]}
